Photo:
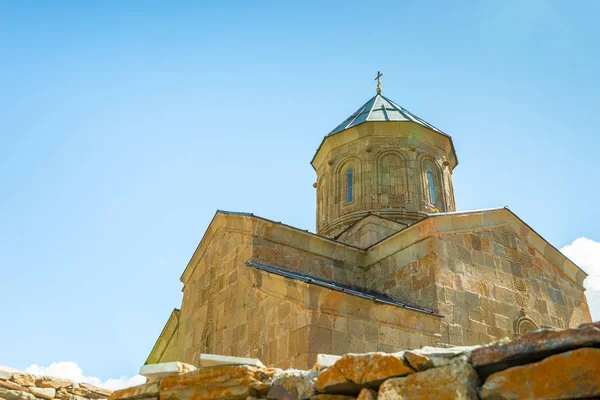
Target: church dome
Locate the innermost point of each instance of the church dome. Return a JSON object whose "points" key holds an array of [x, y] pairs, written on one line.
{"points": [[382, 160]]}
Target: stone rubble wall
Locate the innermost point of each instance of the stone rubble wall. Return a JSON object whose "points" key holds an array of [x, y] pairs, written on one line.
{"points": [[22, 386], [545, 364]]}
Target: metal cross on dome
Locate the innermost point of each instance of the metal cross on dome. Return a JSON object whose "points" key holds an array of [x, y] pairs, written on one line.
{"points": [[379, 75]]}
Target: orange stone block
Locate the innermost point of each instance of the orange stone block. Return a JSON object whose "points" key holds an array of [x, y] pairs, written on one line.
{"points": [[532, 347], [383, 366], [418, 361], [12, 386], [571, 375], [453, 382], [330, 379], [148, 389], [367, 394], [353, 366], [223, 382]]}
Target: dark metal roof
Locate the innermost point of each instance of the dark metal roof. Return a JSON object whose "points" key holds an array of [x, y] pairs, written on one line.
{"points": [[379, 298], [380, 108]]}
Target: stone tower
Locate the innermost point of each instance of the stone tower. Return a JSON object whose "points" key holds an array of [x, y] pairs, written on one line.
{"points": [[382, 160]]}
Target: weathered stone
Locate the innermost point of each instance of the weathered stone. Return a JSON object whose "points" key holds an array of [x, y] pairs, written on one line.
{"points": [[156, 371], [418, 361], [5, 374], [323, 396], [148, 389], [95, 392], [332, 380], [325, 361], [43, 393], [455, 381], [9, 394], [88, 391], [293, 385], [355, 371], [213, 360], [12, 386], [23, 379], [50, 382], [532, 347], [571, 375], [353, 366], [62, 394], [382, 366], [227, 382], [367, 394]]}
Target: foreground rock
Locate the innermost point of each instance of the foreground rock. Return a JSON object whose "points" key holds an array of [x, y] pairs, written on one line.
{"points": [[571, 375], [533, 347], [17, 385], [540, 365], [353, 372], [454, 381], [223, 382]]}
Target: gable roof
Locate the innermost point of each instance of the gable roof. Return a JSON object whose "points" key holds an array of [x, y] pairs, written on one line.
{"points": [[464, 221]]}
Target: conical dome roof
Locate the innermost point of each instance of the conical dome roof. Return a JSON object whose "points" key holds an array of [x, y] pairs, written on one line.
{"points": [[380, 108]]}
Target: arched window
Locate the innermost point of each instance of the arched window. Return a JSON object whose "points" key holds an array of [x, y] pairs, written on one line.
{"points": [[321, 199], [349, 185], [431, 185], [207, 333]]}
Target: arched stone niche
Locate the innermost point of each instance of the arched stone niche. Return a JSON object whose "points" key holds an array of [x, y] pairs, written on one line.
{"points": [[524, 325]]}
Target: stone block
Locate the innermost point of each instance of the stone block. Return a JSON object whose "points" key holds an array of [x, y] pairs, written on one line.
{"points": [[148, 389], [325, 361], [212, 360], [12, 386], [5, 374], [43, 393], [156, 371], [367, 394], [455, 381], [355, 371], [570, 375], [293, 385], [23, 379], [532, 347], [8, 394], [94, 392], [51, 382], [221, 382]]}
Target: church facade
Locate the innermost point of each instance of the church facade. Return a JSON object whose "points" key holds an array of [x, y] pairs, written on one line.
{"points": [[392, 266]]}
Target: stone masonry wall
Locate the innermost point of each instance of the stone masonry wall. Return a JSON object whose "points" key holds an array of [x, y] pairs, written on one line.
{"points": [[408, 275], [501, 287], [369, 231], [488, 284], [22, 386], [303, 321], [545, 364]]}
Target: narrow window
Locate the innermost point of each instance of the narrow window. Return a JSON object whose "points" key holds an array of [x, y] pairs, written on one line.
{"points": [[431, 186], [349, 185]]}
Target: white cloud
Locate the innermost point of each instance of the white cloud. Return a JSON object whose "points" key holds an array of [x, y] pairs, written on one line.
{"points": [[72, 371], [586, 254]]}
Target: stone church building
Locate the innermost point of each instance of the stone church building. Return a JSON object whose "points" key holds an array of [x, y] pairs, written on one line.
{"points": [[392, 266]]}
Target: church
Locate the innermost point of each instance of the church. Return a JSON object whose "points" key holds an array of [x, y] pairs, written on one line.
{"points": [[392, 265]]}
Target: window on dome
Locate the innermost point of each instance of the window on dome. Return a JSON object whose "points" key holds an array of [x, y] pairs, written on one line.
{"points": [[349, 182], [431, 184]]}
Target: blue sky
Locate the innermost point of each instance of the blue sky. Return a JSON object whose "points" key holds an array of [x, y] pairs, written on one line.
{"points": [[125, 125]]}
